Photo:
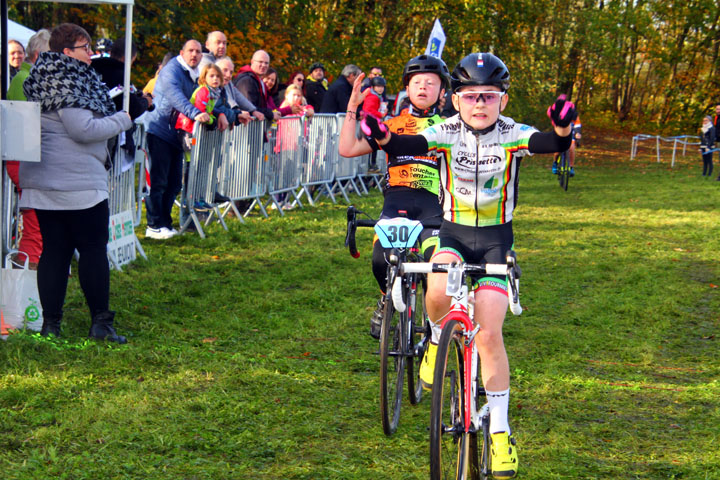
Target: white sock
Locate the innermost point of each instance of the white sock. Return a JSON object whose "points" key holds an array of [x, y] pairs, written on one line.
{"points": [[498, 403], [435, 331]]}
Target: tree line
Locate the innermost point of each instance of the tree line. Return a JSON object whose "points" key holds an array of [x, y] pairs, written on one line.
{"points": [[650, 63]]}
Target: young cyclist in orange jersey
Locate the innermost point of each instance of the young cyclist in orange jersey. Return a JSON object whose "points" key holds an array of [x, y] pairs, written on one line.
{"points": [[411, 181]]}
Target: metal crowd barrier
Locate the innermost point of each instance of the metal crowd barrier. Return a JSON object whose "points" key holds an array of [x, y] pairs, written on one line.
{"points": [[142, 162], [298, 157], [321, 157], [11, 215], [243, 170], [346, 171], [123, 206], [200, 182], [286, 153], [677, 140]]}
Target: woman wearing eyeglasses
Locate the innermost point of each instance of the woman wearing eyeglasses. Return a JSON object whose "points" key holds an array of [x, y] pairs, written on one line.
{"points": [[479, 151], [68, 188]]}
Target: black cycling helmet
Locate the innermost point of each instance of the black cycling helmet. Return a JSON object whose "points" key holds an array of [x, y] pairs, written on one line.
{"points": [[480, 69], [426, 64], [377, 82]]}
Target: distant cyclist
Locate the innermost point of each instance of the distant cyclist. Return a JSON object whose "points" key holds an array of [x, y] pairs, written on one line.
{"points": [[479, 153], [411, 181], [576, 136]]}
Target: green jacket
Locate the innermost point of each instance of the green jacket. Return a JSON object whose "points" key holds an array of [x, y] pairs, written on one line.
{"points": [[15, 92]]}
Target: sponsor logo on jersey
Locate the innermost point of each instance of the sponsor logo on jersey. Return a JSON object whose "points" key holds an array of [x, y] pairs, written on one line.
{"points": [[467, 160], [491, 187], [422, 184], [450, 127]]}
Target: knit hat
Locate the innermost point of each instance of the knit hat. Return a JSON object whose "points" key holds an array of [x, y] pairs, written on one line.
{"points": [[316, 65]]}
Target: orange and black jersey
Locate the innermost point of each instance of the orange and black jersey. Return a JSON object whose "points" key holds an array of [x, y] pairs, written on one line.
{"points": [[413, 171]]}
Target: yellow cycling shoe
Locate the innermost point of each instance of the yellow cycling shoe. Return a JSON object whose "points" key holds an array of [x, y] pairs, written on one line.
{"points": [[427, 366], [503, 460]]}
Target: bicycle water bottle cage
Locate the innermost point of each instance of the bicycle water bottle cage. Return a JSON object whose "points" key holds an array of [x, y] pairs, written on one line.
{"points": [[398, 232]]}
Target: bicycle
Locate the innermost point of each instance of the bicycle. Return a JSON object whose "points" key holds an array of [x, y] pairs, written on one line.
{"points": [[405, 331], [563, 170], [457, 415]]}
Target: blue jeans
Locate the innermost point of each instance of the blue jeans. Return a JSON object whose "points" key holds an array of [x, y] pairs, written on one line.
{"points": [[165, 181]]}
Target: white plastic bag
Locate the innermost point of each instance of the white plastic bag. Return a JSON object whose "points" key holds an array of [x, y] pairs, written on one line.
{"points": [[19, 299]]}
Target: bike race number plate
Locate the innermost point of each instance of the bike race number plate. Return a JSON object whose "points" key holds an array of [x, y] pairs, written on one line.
{"points": [[398, 232]]}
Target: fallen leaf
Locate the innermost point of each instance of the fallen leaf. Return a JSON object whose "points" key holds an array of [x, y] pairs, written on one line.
{"points": [[209, 339], [677, 249]]}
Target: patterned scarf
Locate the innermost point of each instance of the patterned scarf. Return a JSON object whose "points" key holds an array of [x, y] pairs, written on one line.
{"points": [[58, 81], [214, 93]]}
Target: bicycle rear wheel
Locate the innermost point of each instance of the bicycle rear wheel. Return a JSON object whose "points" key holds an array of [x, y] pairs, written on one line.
{"points": [[392, 360], [453, 452], [419, 335]]}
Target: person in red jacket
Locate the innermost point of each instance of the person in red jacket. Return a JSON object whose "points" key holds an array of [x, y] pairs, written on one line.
{"points": [[374, 104]]}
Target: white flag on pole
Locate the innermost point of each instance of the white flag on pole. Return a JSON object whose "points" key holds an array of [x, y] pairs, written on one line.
{"points": [[436, 42]]}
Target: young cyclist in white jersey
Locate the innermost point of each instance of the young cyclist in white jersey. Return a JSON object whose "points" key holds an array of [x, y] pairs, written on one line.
{"points": [[479, 152]]}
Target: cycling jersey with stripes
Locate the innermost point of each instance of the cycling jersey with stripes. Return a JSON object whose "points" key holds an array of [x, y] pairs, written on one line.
{"points": [[479, 172]]}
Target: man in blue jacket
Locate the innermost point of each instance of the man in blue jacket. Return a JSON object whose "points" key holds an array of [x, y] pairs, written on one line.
{"points": [[175, 85]]}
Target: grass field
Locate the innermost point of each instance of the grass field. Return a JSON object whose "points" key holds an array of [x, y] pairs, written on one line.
{"points": [[248, 353]]}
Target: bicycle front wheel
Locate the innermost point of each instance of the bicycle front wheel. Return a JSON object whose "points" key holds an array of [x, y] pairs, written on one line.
{"points": [[453, 452], [392, 361]]}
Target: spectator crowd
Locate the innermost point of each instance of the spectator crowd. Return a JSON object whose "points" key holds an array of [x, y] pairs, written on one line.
{"points": [[66, 209]]}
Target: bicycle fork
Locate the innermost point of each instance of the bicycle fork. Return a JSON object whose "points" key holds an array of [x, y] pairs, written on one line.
{"points": [[459, 313]]}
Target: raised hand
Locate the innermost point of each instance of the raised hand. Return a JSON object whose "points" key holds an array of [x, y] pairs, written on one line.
{"points": [[373, 127], [357, 97], [562, 112]]}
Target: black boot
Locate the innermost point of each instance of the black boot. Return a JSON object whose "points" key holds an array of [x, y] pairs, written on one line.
{"points": [[51, 324], [102, 328], [220, 198]]}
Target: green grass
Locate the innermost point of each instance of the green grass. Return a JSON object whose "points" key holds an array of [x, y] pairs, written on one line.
{"points": [[249, 357]]}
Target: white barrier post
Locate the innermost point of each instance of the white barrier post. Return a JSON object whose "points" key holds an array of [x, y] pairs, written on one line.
{"points": [[672, 163]]}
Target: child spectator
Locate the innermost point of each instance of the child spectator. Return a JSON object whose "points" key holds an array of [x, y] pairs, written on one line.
{"points": [[203, 98], [707, 142], [294, 98], [288, 133], [374, 103]]}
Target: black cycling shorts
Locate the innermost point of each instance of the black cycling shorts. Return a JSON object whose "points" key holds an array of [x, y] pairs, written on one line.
{"points": [[419, 204], [478, 245]]}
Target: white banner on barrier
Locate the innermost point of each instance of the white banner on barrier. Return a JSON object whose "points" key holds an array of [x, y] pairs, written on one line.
{"points": [[121, 244]]}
